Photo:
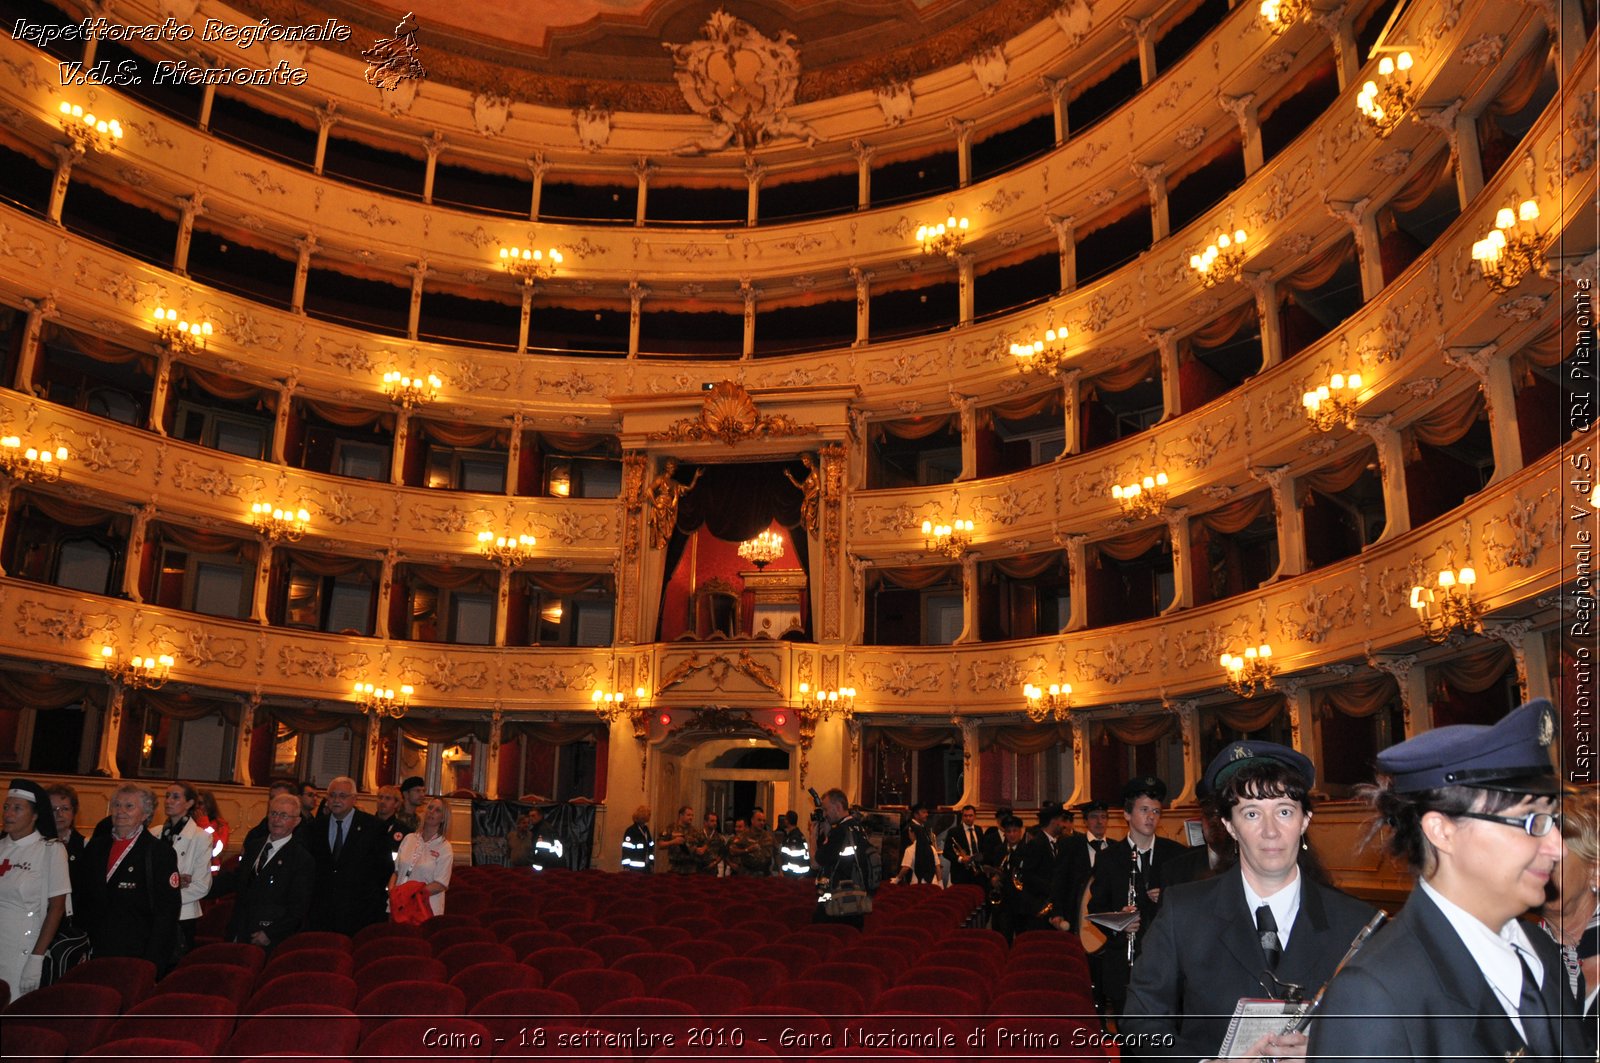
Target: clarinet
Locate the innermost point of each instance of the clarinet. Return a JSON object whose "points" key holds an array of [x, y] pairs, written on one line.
{"points": [[1133, 902], [1304, 1019]]}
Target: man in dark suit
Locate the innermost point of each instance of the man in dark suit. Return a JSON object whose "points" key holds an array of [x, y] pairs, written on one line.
{"points": [[258, 833], [129, 898], [922, 855], [275, 880], [352, 860], [963, 847], [992, 843], [1036, 869], [1007, 904], [1127, 878]]}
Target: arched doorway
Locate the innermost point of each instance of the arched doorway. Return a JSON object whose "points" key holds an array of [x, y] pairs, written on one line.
{"points": [[722, 760]]}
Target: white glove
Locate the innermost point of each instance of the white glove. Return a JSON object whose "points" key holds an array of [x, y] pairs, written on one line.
{"points": [[32, 971]]}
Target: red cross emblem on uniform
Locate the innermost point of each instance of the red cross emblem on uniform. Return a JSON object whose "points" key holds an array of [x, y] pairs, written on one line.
{"points": [[4, 867]]}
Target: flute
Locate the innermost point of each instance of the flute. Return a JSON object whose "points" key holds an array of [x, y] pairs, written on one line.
{"points": [[1304, 1019]]}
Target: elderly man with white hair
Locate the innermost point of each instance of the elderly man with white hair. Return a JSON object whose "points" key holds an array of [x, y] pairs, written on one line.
{"points": [[353, 862], [129, 893]]}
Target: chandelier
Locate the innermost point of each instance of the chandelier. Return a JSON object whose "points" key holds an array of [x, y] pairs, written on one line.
{"points": [[89, 133], [528, 265], [944, 239], [409, 391], [1252, 673], [763, 550], [382, 700], [1333, 404], [1142, 498], [506, 549], [1222, 260], [1044, 703], [40, 464], [140, 673], [1043, 355], [179, 336], [1385, 108], [1506, 255], [1279, 15], [952, 540], [279, 523], [1449, 609]]}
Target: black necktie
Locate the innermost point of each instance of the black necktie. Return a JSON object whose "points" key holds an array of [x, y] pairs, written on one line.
{"points": [[1535, 1016], [972, 842], [1267, 931], [338, 837], [261, 861]]}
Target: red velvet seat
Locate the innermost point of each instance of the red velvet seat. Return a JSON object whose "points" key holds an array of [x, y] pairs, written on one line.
{"points": [[307, 961], [384, 948], [585, 931], [612, 946], [770, 1020], [398, 969], [531, 941], [1039, 1002], [379, 931], [34, 1044], [296, 1028], [555, 962], [708, 994], [448, 925], [1059, 979], [336, 989], [653, 968], [868, 981], [653, 1016], [761, 975], [510, 1010], [959, 979], [560, 1040], [697, 925], [235, 984], [893, 964], [843, 933], [399, 1000], [200, 1019], [794, 958], [458, 958], [833, 999], [485, 979], [144, 1049], [313, 939], [661, 936], [429, 1038], [81, 1013], [131, 976], [472, 903], [238, 953], [596, 986], [740, 941], [700, 952]]}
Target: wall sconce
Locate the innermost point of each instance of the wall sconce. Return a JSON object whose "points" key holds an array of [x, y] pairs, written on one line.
{"points": [[1222, 260], [1510, 250], [140, 673], [1279, 15], [952, 540], [1043, 355], [36, 464], [1451, 608], [612, 707], [88, 132], [1049, 702], [409, 391], [944, 239], [763, 550], [528, 265], [506, 549], [1252, 673], [1385, 108], [1334, 403], [279, 523], [179, 336], [384, 701], [826, 704], [1142, 498]]}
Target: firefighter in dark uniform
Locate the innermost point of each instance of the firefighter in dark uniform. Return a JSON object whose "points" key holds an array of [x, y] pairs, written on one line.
{"points": [[547, 851], [638, 844], [794, 852], [130, 897]]}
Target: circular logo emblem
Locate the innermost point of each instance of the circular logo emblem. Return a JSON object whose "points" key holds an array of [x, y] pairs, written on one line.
{"points": [[1547, 727], [173, 880]]}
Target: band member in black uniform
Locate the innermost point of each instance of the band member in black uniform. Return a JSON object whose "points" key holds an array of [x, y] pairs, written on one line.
{"points": [[1258, 927], [1473, 811], [275, 880], [1007, 903], [1036, 868], [963, 847], [1127, 878]]}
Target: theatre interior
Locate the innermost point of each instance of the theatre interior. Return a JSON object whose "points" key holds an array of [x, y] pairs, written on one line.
{"points": [[652, 403]]}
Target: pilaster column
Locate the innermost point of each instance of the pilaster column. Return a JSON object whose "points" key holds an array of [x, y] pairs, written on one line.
{"points": [[1194, 768], [1140, 28], [1291, 521], [137, 533], [626, 768], [1364, 225], [1078, 580], [188, 207], [536, 167], [514, 453], [753, 173], [7, 486], [1166, 341], [962, 128], [965, 279], [111, 731], [1468, 159], [419, 273], [371, 743], [636, 294], [502, 605], [263, 580], [643, 168], [863, 153], [1412, 682], [65, 159], [1071, 397], [1500, 395], [863, 279], [1514, 633], [280, 420], [1066, 248], [1305, 730], [1056, 89], [208, 98], [39, 311], [433, 145], [1346, 53], [159, 391], [747, 296], [306, 246], [385, 592], [1081, 782], [90, 48], [1154, 178], [969, 600], [971, 761], [1564, 20], [525, 316], [1182, 563], [243, 734], [491, 758], [1271, 326], [327, 114], [1392, 468], [402, 438], [967, 414], [1243, 109]]}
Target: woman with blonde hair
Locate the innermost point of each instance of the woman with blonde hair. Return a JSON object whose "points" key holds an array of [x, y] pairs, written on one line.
{"points": [[425, 856], [1571, 912]]}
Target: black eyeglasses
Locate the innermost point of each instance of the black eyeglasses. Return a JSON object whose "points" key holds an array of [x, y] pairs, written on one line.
{"points": [[1537, 824]]}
